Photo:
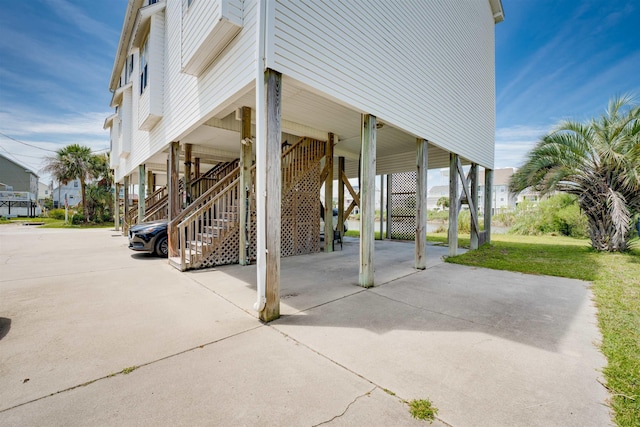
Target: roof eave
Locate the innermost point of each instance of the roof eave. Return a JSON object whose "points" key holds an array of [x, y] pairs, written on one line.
{"points": [[497, 10], [123, 44]]}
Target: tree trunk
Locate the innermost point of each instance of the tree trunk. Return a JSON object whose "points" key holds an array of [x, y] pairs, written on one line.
{"points": [[84, 200], [603, 232]]}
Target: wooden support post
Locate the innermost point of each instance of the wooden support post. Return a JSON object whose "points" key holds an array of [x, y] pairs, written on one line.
{"points": [[116, 208], [142, 176], [367, 199], [341, 217], [188, 149], [173, 189], [245, 184], [328, 195], [421, 204], [488, 198], [475, 232], [151, 186], [388, 217], [197, 168], [381, 216], [453, 205], [273, 191], [125, 214]]}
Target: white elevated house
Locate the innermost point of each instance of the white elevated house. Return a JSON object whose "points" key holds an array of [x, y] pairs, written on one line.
{"points": [[203, 89]]}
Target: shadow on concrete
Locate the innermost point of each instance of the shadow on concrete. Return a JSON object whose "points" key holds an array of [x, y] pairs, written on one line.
{"points": [[146, 256], [5, 326], [322, 290]]}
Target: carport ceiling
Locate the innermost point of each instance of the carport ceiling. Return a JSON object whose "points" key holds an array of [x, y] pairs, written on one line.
{"points": [[317, 115]]}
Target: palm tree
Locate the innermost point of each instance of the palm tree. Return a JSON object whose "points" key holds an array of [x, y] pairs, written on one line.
{"points": [[73, 162], [56, 166], [599, 162]]}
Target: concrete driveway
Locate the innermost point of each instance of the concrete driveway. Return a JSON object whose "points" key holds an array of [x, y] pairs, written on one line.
{"points": [[94, 334]]}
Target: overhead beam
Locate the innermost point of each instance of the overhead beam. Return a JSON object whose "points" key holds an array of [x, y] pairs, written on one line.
{"points": [[367, 200]]}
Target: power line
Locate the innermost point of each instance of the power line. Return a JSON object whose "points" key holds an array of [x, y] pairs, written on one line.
{"points": [[24, 143], [14, 158], [20, 155], [44, 149]]}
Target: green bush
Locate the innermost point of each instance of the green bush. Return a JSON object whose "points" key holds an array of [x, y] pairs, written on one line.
{"points": [[77, 219], [56, 213], [558, 214]]}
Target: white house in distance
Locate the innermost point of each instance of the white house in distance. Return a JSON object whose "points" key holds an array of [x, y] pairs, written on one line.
{"points": [[71, 190], [292, 85]]}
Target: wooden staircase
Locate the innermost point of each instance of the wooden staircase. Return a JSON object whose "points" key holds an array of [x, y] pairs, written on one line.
{"points": [[157, 203], [206, 233]]}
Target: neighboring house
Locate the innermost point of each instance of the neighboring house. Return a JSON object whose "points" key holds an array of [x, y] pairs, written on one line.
{"points": [[71, 190], [503, 199], [44, 192], [19, 192], [434, 194], [206, 82]]}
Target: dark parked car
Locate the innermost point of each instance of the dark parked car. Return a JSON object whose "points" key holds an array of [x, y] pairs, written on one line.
{"points": [[335, 220], [150, 237]]}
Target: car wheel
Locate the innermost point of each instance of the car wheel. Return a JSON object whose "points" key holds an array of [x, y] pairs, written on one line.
{"points": [[162, 247]]}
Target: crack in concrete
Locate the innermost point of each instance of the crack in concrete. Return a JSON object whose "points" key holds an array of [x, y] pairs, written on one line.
{"points": [[347, 408], [122, 372]]}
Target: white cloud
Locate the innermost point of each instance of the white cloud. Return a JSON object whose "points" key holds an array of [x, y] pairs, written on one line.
{"points": [[514, 142]]}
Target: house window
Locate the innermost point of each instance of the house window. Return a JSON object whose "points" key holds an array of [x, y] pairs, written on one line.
{"points": [[128, 69], [144, 73], [75, 184], [189, 3]]}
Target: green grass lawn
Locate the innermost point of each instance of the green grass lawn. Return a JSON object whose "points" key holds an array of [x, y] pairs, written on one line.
{"points": [[53, 223], [616, 286]]}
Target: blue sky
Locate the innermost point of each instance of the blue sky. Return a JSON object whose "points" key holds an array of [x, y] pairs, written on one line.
{"points": [[555, 59]]}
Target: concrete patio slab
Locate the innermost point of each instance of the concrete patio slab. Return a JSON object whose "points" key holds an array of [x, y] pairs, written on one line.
{"points": [[488, 348]]}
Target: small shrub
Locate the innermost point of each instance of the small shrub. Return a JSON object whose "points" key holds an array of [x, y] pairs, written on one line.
{"points": [[77, 219], [56, 213], [423, 410], [557, 214]]}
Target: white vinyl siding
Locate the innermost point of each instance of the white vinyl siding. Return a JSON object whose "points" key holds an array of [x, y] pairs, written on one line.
{"points": [[151, 103], [207, 27], [126, 109], [364, 54], [189, 101]]}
